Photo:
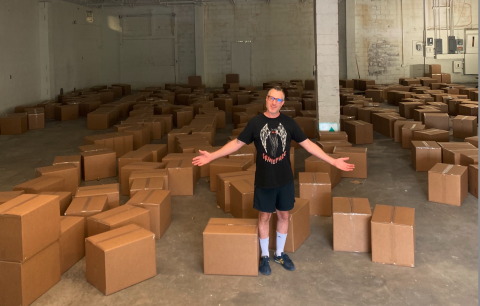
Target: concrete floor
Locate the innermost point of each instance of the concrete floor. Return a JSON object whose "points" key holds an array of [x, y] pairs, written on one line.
{"points": [[446, 241]]}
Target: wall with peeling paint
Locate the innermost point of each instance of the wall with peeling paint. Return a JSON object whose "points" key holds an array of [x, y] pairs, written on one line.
{"points": [[378, 37]]}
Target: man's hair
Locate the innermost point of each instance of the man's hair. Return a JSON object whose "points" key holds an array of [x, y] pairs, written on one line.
{"points": [[278, 88]]}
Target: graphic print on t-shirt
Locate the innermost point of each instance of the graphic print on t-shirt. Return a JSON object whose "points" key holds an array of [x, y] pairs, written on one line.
{"points": [[273, 135]]}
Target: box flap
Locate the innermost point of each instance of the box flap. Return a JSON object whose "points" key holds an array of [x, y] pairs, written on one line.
{"points": [[148, 173], [149, 197], [383, 214], [67, 222], [314, 178], [119, 237], [425, 144], [87, 204], [55, 168], [361, 206], [231, 226], [341, 205], [24, 204], [448, 169], [96, 189], [404, 216], [117, 214], [97, 152]]}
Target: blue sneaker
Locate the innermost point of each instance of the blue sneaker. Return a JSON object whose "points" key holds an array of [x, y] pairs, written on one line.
{"points": [[264, 266], [285, 261]]}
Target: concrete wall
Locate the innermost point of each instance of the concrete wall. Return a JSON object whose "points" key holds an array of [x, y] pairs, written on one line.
{"points": [[19, 58], [378, 37], [281, 34]]}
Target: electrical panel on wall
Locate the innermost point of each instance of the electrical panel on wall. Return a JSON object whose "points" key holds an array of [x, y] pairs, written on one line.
{"points": [[457, 66], [429, 51]]}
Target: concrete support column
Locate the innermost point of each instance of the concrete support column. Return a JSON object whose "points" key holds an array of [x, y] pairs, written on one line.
{"points": [[352, 72], [46, 58], [327, 61], [199, 43]]}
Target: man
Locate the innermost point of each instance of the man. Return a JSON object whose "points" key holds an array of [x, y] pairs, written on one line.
{"points": [[274, 188]]}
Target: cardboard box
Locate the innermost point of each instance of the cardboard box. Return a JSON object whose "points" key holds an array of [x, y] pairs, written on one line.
{"points": [[431, 135], [298, 226], [359, 132], [42, 184], [393, 235], [75, 160], [148, 184], [141, 135], [352, 110], [244, 153], [64, 198], [451, 155], [308, 125], [468, 109], [406, 109], [28, 224], [23, 283], [467, 159], [66, 112], [120, 258], [464, 126], [397, 129], [224, 104], [155, 173], [472, 140], [314, 164], [159, 151], [407, 133], [158, 203], [6, 196], [116, 218], [99, 164], [358, 157], [317, 189], [182, 177], [328, 145], [473, 179], [14, 124], [121, 143], [231, 247], [446, 78], [225, 166], [133, 157], [241, 117], [66, 171], [232, 78], [87, 206], [241, 200], [448, 184], [224, 181], [125, 172], [425, 155], [36, 118], [110, 190], [437, 121], [435, 69], [351, 224], [418, 114], [325, 136], [71, 242]]}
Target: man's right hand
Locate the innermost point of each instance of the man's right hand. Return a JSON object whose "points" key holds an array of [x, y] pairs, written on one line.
{"points": [[203, 159]]}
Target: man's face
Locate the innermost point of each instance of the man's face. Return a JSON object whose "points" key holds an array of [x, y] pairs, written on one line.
{"points": [[273, 106]]}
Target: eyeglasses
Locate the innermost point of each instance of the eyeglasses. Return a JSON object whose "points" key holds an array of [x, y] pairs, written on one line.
{"points": [[272, 99]]}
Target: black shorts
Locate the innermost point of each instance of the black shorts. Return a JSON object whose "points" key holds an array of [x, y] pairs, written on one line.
{"points": [[268, 199]]}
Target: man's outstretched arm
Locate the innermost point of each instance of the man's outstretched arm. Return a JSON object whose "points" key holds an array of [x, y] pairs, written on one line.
{"points": [[318, 152], [227, 149]]}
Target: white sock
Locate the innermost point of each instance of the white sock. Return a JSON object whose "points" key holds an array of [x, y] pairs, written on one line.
{"points": [[264, 246], [281, 238]]}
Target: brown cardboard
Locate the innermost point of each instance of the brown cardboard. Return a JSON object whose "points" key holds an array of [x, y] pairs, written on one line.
{"points": [[473, 179], [121, 143], [141, 135], [298, 226], [241, 117], [132, 157], [225, 166], [244, 153], [110, 190], [406, 109], [328, 145], [464, 126], [468, 159], [448, 184], [324, 136], [393, 235], [36, 118], [224, 104], [425, 155], [71, 242], [87, 206], [99, 164], [116, 218], [231, 247], [120, 258], [64, 198], [125, 172], [224, 181], [28, 224], [317, 189], [67, 112], [136, 174], [308, 125], [468, 109], [148, 184], [6, 196], [159, 151], [451, 154], [75, 160], [359, 132], [437, 121], [435, 69], [418, 114], [14, 124], [23, 283], [232, 78], [358, 157], [352, 110], [241, 199], [407, 133], [351, 224], [431, 135], [472, 140], [42, 184], [182, 177], [158, 203], [397, 129], [314, 164], [66, 171]]}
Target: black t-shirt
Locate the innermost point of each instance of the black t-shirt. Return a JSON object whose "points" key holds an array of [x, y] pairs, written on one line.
{"points": [[272, 138]]}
